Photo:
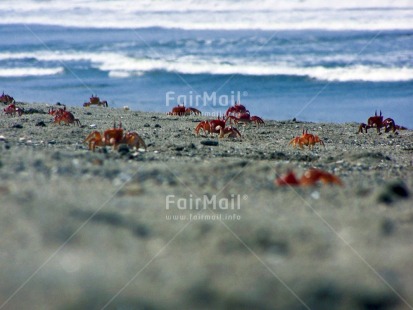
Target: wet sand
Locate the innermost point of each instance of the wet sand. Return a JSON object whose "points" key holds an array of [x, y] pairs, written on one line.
{"points": [[121, 229]]}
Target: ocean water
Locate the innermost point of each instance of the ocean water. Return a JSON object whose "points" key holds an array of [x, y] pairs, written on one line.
{"points": [[312, 60]]}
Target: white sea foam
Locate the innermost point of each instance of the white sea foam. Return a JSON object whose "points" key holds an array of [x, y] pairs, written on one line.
{"points": [[197, 66], [214, 14], [118, 65], [360, 73], [22, 72], [127, 66], [60, 56], [113, 60], [196, 5]]}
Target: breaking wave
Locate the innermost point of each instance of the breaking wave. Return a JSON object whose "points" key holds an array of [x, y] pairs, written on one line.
{"points": [[26, 72], [122, 66]]}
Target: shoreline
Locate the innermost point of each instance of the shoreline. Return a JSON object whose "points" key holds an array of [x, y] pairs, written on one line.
{"points": [[205, 114], [93, 222]]}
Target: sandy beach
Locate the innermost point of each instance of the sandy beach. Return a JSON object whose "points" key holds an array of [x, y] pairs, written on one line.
{"points": [[124, 229]]}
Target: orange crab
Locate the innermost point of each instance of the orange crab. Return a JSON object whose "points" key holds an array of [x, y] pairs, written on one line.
{"points": [[115, 137], [181, 110], [310, 177], [95, 100], [230, 132], [306, 139]]}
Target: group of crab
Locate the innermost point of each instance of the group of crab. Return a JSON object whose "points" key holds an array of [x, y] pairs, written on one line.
{"points": [[218, 126], [235, 114], [314, 175], [61, 115], [239, 114], [111, 137], [114, 136]]}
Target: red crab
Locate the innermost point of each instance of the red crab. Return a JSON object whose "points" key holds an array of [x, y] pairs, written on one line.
{"points": [[211, 126], [182, 110], [245, 117], [61, 115], [310, 177], [115, 137], [306, 139], [53, 112], [239, 114], [6, 99], [67, 118], [236, 109], [205, 126], [377, 122], [95, 100], [12, 110]]}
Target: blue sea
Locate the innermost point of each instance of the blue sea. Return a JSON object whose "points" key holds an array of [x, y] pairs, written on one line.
{"points": [[313, 60]]}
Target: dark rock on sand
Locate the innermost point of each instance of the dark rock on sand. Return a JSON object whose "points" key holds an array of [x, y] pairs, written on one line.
{"points": [[34, 111], [123, 149], [392, 192], [209, 142], [40, 124]]}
